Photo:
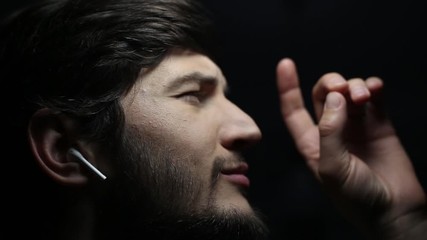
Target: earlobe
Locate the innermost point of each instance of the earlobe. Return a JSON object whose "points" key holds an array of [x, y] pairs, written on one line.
{"points": [[50, 139]]}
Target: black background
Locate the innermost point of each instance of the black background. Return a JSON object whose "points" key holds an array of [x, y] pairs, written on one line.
{"points": [[357, 38]]}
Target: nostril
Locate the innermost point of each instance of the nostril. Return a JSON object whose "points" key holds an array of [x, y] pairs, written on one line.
{"points": [[241, 141]]}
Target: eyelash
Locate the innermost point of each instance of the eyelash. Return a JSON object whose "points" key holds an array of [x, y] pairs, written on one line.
{"points": [[194, 97]]}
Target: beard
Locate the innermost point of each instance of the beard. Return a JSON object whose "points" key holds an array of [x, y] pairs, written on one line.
{"points": [[154, 197]]}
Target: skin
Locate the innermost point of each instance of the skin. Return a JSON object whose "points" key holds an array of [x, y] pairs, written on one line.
{"points": [[196, 113]]}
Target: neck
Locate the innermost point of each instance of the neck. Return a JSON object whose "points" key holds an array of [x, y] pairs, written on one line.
{"points": [[77, 222]]}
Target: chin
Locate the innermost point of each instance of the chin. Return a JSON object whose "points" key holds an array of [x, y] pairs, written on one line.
{"points": [[231, 197], [236, 204], [226, 222], [231, 221]]}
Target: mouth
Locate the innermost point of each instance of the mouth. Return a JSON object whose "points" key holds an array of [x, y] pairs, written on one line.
{"points": [[237, 174]]}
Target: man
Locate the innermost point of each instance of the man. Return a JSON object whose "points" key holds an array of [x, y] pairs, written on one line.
{"points": [[122, 107]]}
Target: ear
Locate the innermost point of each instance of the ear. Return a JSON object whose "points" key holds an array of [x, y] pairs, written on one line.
{"points": [[51, 136]]}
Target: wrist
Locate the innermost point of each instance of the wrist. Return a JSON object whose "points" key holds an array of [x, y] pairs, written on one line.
{"points": [[412, 226]]}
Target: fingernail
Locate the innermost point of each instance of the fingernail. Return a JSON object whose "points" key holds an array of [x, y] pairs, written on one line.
{"points": [[338, 82], [333, 100], [360, 91]]}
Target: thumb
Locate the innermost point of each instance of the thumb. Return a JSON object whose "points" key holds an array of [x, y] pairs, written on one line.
{"points": [[334, 157]]}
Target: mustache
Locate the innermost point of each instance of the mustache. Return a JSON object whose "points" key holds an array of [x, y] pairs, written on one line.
{"points": [[222, 162]]}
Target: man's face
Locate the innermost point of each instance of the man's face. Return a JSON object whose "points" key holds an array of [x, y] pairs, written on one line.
{"points": [[183, 137], [181, 107]]}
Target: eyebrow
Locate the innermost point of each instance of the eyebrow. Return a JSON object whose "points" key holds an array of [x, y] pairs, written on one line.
{"points": [[195, 77]]}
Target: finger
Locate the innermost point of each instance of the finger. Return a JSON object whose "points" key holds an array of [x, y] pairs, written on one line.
{"points": [[326, 84], [359, 92], [294, 113], [374, 84], [363, 94], [334, 157], [377, 108], [357, 98]]}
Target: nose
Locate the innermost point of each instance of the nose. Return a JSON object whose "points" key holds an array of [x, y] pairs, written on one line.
{"points": [[238, 130]]}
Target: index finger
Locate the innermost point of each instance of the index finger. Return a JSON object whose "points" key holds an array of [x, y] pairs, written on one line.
{"points": [[294, 112]]}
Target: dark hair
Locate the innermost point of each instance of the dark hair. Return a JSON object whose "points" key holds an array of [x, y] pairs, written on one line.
{"points": [[79, 57]]}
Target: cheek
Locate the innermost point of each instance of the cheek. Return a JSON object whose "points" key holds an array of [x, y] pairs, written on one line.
{"points": [[183, 126], [197, 150], [186, 139], [182, 135], [188, 148], [188, 136]]}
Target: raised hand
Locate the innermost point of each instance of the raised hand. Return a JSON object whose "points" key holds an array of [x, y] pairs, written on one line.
{"points": [[353, 150]]}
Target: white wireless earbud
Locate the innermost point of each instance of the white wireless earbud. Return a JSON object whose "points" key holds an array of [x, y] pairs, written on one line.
{"points": [[80, 157]]}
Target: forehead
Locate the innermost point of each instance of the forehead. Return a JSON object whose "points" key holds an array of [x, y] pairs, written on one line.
{"points": [[179, 64]]}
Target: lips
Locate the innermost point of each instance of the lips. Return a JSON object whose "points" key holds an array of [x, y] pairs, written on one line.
{"points": [[237, 174]]}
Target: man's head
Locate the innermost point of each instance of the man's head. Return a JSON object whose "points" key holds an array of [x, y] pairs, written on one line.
{"points": [[131, 84]]}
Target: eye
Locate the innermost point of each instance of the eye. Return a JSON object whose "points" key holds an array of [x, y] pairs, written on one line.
{"points": [[193, 97]]}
